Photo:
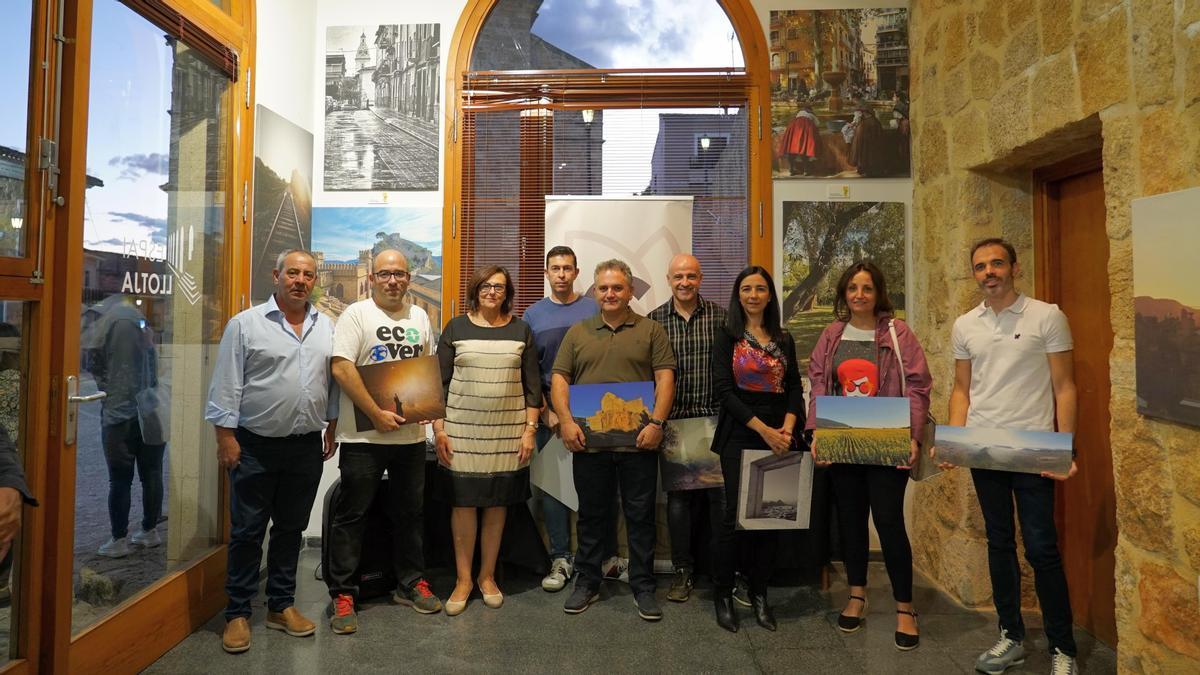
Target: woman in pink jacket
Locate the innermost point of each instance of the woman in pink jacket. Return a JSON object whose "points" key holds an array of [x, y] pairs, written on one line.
{"points": [[856, 356]]}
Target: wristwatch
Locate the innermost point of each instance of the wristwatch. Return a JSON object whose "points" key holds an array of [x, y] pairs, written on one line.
{"points": [[657, 422], [532, 425]]}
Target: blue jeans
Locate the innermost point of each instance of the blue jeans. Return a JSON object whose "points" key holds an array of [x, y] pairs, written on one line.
{"points": [[124, 450], [275, 481], [1035, 509], [555, 514]]}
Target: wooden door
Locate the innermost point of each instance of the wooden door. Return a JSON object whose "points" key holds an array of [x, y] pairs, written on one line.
{"points": [[1073, 272]]}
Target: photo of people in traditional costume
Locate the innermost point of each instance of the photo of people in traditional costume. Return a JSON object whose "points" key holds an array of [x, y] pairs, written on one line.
{"points": [[800, 143]]}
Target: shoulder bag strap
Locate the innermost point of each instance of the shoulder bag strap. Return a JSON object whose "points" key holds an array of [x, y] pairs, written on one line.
{"points": [[899, 359]]}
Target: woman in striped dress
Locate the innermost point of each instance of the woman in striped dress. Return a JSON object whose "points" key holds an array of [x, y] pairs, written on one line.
{"points": [[493, 394]]}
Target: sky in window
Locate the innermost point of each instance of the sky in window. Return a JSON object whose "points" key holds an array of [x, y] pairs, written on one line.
{"points": [[641, 33], [129, 130], [15, 31]]}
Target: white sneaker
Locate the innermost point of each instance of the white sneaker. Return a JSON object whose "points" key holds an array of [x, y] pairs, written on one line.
{"points": [[1063, 664], [560, 571], [146, 538], [115, 548], [616, 568]]}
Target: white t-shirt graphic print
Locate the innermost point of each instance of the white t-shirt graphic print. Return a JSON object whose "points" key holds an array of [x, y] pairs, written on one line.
{"points": [[366, 335]]}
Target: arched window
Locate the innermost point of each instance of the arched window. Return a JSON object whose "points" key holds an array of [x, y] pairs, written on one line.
{"points": [[549, 102]]}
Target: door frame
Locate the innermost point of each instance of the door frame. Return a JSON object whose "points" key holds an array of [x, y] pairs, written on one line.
{"points": [[1047, 244], [148, 624], [1046, 241]]}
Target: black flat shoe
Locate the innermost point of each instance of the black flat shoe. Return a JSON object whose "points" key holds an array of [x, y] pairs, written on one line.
{"points": [[904, 641], [726, 616], [850, 624], [762, 611]]}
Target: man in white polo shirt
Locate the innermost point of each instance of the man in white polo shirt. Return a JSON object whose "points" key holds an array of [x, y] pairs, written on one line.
{"points": [[1013, 370]]}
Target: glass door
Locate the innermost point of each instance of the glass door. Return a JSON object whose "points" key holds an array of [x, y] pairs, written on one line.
{"points": [[118, 160], [147, 488]]}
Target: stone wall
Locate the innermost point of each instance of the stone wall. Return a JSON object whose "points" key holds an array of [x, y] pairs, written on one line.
{"points": [[1001, 87]]}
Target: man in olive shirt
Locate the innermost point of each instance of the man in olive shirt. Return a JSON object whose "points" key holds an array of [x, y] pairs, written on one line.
{"points": [[616, 345]]}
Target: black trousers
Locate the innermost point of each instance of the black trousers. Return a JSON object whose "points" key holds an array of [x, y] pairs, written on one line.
{"points": [[362, 466], [597, 477], [752, 551], [684, 508], [878, 491], [275, 481]]}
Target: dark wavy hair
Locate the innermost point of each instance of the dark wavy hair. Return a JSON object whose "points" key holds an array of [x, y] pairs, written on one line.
{"points": [[483, 274], [883, 304], [735, 324]]}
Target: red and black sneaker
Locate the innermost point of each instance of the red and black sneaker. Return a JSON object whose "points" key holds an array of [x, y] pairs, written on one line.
{"points": [[419, 596], [344, 619]]}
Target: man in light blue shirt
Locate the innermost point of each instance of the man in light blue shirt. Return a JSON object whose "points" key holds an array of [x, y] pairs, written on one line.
{"points": [[271, 395]]}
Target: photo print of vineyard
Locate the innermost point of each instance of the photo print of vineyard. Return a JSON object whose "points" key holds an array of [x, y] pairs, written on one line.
{"points": [[820, 240], [863, 430]]}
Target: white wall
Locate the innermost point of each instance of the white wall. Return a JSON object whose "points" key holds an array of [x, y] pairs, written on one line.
{"points": [[285, 58]]}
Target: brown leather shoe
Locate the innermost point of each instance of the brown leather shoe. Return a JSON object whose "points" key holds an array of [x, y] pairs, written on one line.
{"points": [[291, 622], [236, 638]]}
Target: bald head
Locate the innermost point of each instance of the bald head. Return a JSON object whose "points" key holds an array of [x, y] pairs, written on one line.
{"points": [[389, 279], [684, 277], [389, 257]]}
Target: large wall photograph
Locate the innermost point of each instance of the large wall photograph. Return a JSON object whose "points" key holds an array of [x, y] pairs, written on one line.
{"points": [[346, 239], [1166, 303], [381, 107], [283, 160], [822, 239], [839, 93]]}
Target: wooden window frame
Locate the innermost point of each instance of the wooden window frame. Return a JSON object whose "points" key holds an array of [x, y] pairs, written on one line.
{"points": [[143, 628], [753, 87]]}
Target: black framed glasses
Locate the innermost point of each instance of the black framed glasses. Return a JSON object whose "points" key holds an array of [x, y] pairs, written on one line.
{"points": [[499, 289], [386, 275]]}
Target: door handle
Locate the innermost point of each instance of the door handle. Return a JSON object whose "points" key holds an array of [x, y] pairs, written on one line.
{"points": [[72, 403]]}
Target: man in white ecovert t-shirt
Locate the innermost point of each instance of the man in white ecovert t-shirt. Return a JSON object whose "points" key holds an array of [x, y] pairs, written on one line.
{"points": [[1013, 369], [386, 327]]}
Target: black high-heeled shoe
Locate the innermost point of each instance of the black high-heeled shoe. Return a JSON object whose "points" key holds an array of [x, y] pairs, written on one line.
{"points": [[850, 624], [904, 641], [762, 611], [726, 615]]}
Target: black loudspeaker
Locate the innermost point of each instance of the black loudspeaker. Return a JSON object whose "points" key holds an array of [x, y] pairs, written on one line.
{"points": [[376, 575]]}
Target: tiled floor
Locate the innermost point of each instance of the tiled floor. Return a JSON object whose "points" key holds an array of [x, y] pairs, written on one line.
{"points": [[530, 633]]}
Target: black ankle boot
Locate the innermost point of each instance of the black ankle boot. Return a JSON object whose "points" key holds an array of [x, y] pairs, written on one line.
{"points": [[762, 611], [726, 616]]}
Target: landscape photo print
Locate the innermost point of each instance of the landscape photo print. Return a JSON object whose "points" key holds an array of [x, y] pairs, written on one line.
{"points": [[283, 163], [1004, 449], [839, 93], [822, 239], [863, 430], [1166, 303]]}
